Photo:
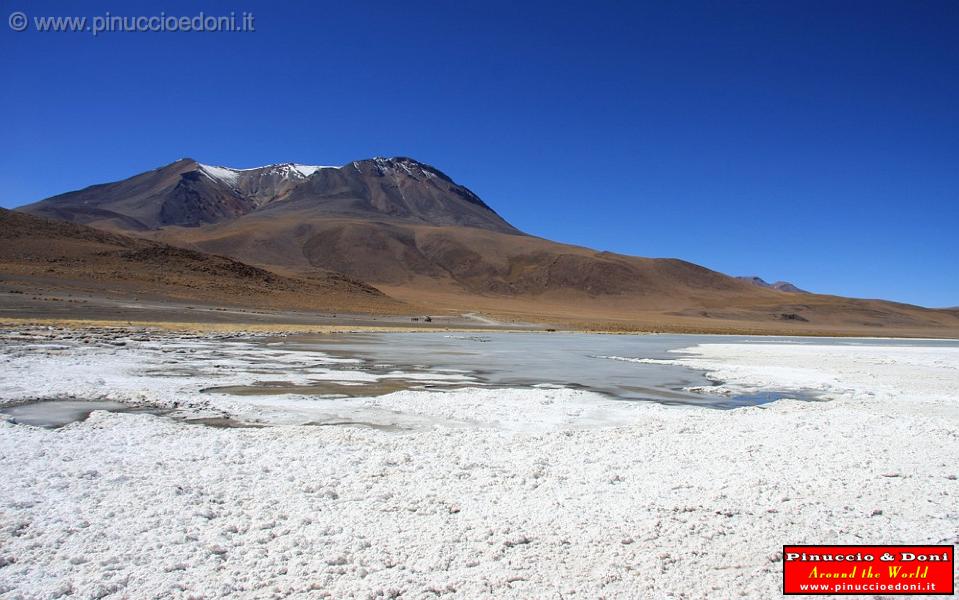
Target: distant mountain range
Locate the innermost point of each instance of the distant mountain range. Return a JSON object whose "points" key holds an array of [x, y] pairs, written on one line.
{"points": [[411, 231], [782, 286]]}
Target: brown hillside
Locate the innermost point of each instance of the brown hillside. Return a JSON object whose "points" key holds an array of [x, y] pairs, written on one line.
{"points": [[83, 258]]}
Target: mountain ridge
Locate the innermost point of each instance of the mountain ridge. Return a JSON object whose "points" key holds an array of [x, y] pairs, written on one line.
{"points": [[411, 231]]}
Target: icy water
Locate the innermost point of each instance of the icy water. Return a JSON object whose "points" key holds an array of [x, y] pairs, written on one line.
{"points": [[301, 372], [601, 363], [53, 414], [57, 413]]}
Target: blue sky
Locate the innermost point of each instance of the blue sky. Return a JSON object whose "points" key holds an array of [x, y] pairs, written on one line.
{"points": [[816, 142]]}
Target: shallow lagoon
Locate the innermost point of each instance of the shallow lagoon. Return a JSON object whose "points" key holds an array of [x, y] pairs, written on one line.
{"points": [[600, 363], [357, 366]]}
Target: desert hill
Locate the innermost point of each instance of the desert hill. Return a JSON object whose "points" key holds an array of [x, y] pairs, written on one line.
{"points": [[75, 257]]}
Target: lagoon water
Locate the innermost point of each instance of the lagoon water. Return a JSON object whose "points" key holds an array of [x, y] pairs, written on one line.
{"points": [[365, 365], [601, 363]]}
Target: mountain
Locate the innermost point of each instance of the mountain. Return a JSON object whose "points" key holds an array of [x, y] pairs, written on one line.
{"points": [[187, 193], [418, 236], [782, 286], [57, 256], [387, 220]]}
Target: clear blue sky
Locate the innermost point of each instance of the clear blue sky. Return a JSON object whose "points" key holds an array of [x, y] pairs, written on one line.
{"points": [[816, 142]]}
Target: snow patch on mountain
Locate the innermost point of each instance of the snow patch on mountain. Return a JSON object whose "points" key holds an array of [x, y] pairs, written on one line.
{"points": [[307, 170], [224, 174], [230, 175]]}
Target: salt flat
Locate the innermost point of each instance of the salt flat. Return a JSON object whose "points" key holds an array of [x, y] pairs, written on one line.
{"points": [[481, 491]]}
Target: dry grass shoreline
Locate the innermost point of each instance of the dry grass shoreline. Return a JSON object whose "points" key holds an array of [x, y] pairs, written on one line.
{"points": [[265, 328], [300, 328]]}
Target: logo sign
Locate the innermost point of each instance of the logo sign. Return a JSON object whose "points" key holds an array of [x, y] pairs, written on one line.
{"points": [[880, 570]]}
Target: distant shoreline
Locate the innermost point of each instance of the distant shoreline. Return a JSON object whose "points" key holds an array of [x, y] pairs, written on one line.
{"points": [[266, 328]]}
